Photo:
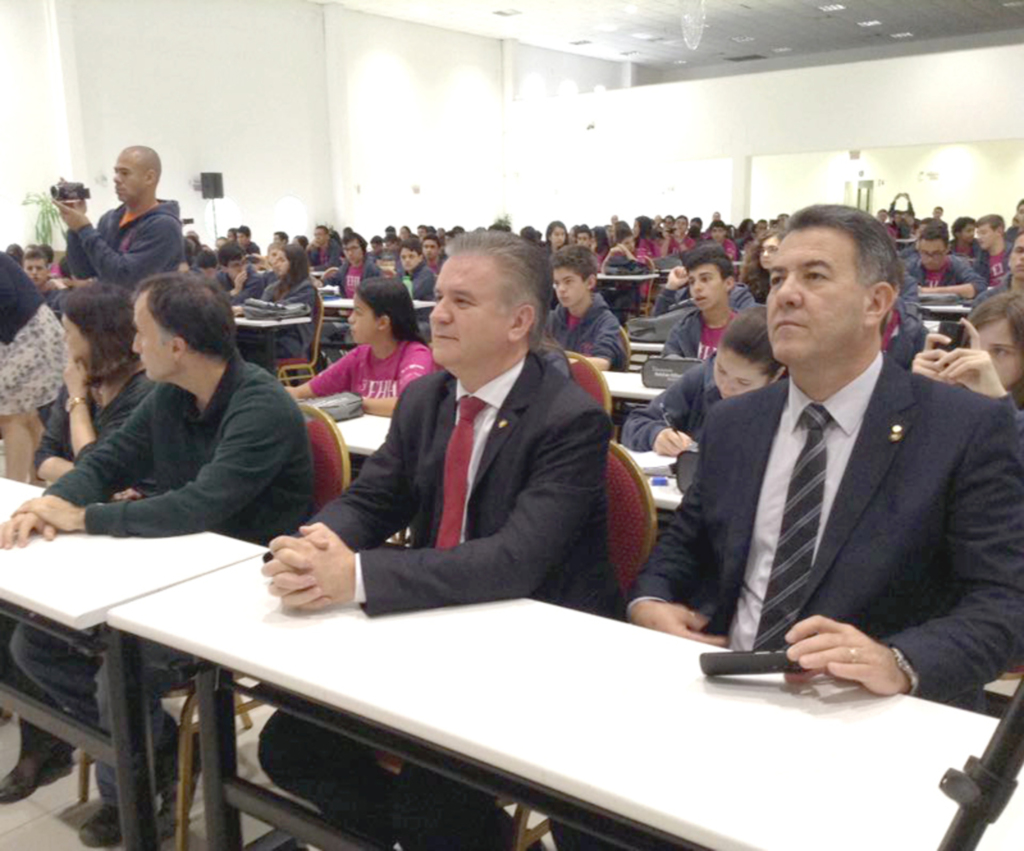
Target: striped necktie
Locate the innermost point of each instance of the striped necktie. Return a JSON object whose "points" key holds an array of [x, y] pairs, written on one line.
{"points": [[794, 553]]}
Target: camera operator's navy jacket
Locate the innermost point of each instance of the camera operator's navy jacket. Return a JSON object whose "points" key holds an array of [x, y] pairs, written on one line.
{"points": [[123, 256], [596, 336]]}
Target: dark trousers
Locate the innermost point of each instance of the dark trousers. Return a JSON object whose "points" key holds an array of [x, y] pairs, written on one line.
{"points": [[421, 810], [569, 839], [78, 683], [34, 741]]}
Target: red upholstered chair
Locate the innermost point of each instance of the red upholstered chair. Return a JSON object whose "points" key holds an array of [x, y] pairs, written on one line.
{"points": [[289, 369], [632, 516], [590, 379], [332, 467], [632, 528]]}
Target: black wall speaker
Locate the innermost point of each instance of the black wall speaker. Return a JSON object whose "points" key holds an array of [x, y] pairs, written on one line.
{"points": [[213, 184]]}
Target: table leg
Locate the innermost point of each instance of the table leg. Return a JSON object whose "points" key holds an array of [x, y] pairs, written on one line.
{"points": [[270, 349], [220, 757], [133, 745]]}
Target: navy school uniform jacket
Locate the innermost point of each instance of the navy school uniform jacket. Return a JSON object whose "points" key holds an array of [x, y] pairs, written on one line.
{"points": [[958, 271], [684, 338], [911, 337], [324, 258], [293, 341], [255, 284], [686, 404], [596, 336], [740, 298], [423, 281], [123, 256], [991, 292]]}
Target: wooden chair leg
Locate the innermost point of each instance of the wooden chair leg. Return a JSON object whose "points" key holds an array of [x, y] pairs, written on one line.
{"points": [[84, 767], [242, 711], [186, 756], [525, 836]]}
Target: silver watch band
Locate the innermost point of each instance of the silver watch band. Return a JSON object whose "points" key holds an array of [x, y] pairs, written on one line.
{"points": [[907, 668]]}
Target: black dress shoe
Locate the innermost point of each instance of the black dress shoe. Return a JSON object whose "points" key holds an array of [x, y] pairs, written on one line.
{"points": [[16, 787]]}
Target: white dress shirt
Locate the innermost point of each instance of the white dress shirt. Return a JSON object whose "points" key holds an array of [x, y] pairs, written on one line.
{"points": [[494, 393], [847, 408]]}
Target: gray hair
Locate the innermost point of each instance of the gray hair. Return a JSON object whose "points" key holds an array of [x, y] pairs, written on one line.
{"points": [[526, 272], [877, 259]]}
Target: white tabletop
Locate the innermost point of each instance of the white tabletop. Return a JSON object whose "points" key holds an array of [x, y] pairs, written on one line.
{"points": [[348, 303], [951, 309], [75, 579], [648, 276], [635, 729], [648, 348], [364, 435], [271, 323], [666, 496], [629, 385]]}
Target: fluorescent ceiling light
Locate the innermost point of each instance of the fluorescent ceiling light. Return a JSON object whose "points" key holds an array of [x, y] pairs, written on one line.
{"points": [[782, 50], [832, 7], [869, 23], [901, 35], [742, 39]]}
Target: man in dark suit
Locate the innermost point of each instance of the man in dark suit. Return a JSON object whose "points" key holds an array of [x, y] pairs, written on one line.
{"points": [[497, 466], [877, 537], [899, 563]]}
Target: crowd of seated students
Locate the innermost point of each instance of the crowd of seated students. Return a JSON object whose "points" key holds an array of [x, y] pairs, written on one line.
{"points": [[110, 415]]}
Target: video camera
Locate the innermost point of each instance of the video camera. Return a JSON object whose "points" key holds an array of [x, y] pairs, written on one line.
{"points": [[69, 192]]}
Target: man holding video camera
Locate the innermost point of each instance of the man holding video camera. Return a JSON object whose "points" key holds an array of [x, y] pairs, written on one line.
{"points": [[140, 238]]}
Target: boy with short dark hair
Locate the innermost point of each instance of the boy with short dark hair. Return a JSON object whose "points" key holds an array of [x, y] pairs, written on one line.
{"points": [[701, 326], [719, 234], [432, 252], [583, 322], [37, 267], [933, 268], [237, 276], [418, 277], [991, 262]]}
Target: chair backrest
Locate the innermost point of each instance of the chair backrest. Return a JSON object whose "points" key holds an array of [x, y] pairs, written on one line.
{"points": [[590, 379], [632, 516], [332, 467], [624, 336]]}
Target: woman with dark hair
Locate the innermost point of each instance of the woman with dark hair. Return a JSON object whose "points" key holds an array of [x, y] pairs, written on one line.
{"points": [[389, 355], [556, 236], [290, 265], [675, 419], [16, 252], [756, 263], [103, 382], [31, 361], [601, 244], [645, 238], [964, 242], [743, 234]]}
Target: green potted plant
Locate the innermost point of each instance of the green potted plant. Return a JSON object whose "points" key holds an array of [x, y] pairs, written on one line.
{"points": [[47, 216]]}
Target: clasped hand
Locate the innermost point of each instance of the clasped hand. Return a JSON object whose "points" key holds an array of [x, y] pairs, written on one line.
{"points": [[970, 367], [46, 515], [312, 571]]}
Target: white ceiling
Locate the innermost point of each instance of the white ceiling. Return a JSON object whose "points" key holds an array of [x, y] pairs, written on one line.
{"points": [[612, 26]]}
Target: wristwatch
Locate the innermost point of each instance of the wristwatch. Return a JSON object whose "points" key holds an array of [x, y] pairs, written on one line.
{"points": [[73, 402], [907, 668]]}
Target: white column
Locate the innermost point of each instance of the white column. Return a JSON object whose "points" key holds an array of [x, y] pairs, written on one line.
{"points": [[508, 92], [741, 169]]}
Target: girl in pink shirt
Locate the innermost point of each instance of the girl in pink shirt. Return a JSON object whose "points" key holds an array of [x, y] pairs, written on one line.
{"points": [[390, 353]]}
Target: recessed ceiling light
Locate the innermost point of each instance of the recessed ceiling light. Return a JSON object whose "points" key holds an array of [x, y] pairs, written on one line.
{"points": [[869, 23], [832, 7], [631, 9], [507, 13], [901, 35], [679, 62], [742, 39], [782, 50], [643, 36]]}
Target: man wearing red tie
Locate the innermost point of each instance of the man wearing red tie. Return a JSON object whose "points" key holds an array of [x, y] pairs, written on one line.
{"points": [[497, 467]]}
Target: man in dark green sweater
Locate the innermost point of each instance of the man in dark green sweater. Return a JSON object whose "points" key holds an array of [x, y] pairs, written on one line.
{"points": [[228, 451]]}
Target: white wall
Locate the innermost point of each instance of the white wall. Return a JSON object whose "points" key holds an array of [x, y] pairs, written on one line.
{"points": [[31, 132], [641, 134], [235, 86], [416, 123], [542, 72]]}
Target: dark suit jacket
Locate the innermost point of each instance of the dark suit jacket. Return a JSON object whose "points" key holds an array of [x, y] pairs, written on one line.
{"points": [[924, 547], [537, 515]]}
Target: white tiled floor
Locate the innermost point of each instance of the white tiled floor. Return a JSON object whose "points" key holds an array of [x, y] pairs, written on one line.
{"points": [[50, 819]]}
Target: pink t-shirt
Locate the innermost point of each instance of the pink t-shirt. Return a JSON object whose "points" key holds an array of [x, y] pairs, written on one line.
{"points": [[709, 339], [996, 269], [352, 279], [360, 372], [934, 279], [573, 321]]}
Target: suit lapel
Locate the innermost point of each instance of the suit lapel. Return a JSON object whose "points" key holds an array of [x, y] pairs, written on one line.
{"points": [[891, 406], [516, 402], [756, 445]]}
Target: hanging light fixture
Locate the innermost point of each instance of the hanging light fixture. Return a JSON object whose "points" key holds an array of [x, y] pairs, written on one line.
{"points": [[693, 21]]}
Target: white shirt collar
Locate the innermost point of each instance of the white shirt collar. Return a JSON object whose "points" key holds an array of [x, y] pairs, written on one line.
{"points": [[846, 406], [495, 391]]}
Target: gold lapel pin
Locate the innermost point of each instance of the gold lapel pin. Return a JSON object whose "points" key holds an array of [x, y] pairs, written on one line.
{"points": [[896, 433], [503, 423]]}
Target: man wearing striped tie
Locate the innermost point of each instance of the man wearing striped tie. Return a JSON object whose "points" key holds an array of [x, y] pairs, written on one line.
{"points": [[865, 520]]}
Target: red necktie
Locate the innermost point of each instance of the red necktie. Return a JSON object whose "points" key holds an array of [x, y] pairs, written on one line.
{"points": [[456, 473]]}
